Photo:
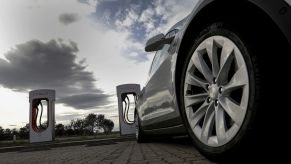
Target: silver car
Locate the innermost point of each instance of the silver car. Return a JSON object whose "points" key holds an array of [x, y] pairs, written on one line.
{"points": [[216, 76]]}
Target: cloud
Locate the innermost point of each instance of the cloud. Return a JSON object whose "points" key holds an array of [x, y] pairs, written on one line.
{"points": [[135, 56], [68, 18], [141, 19], [35, 65], [67, 117], [85, 101]]}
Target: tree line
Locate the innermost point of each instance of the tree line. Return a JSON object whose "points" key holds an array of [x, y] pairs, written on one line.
{"points": [[90, 125]]}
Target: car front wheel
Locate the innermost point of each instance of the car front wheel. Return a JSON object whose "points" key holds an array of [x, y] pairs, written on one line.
{"points": [[218, 91]]}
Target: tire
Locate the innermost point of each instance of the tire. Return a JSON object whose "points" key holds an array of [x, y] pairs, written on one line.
{"points": [[139, 135], [218, 130]]}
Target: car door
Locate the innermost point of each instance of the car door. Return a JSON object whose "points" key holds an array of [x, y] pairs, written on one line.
{"points": [[157, 109]]}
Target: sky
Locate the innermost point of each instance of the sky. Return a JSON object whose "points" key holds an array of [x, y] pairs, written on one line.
{"points": [[81, 48]]}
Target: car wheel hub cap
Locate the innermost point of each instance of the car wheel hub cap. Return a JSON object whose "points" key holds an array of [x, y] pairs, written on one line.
{"points": [[213, 92], [216, 91]]}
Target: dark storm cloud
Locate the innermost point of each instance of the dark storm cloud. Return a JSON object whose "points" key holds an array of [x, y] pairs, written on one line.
{"points": [[68, 18], [35, 65], [85, 101]]}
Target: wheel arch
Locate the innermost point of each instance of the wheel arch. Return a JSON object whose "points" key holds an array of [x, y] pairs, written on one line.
{"points": [[210, 11]]}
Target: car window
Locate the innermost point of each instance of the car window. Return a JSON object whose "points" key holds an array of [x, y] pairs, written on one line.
{"points": [[160, 56]]}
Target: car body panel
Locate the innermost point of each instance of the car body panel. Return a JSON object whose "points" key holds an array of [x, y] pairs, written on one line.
{"points": [[280, 12], [158, 95]]}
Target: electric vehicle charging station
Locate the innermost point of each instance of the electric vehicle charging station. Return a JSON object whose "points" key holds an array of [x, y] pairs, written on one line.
{"points": [[127, 126], [39, 131]]}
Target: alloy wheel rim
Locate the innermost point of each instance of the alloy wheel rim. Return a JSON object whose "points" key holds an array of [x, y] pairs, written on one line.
{"points": [[216, 91]]}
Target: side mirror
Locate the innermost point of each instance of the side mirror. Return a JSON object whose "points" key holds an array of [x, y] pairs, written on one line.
{"points": [[156, 43]]}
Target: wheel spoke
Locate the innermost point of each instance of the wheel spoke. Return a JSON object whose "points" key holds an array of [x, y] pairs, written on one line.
{"points": [[227, 50], [193, 80], [233, 110], [194, 99], [223, 73], [220, 124], [212, 53], [208, 123], [198, 115], [238, 80], [202, 66]]}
